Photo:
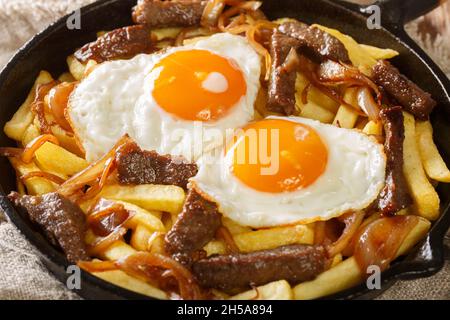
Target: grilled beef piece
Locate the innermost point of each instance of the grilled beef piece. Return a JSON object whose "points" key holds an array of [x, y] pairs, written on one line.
{"points": [[135, 166], [156, 13], [281, 93], [195, 227], [62, 221], [120, 43], [316, 42], [403, 90], [294, 263], [395, 195]]}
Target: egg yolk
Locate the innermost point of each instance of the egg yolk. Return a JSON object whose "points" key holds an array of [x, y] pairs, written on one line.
{"points": [[198, 85], [276, 155]]}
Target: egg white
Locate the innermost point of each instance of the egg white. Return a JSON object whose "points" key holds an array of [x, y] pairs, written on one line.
{"points": [[352, 180], [115, 98]]}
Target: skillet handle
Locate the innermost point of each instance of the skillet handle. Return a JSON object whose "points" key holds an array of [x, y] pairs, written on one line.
{"points": [[396, 12]]}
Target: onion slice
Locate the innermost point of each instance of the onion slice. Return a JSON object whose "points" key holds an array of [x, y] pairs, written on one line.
{"points": [[212, 12], [224, 234], [93, 171], [352, 222], [380, 240], [143, 265], [35, 144], [41, 174], [368, 104]]}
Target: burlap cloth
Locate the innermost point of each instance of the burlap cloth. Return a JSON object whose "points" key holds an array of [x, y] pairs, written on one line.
{"points": [[22, 276]]}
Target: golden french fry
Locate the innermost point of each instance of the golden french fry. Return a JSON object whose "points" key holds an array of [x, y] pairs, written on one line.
{"points": [[67, 141], [30, 134], [16, 127], [140, 238], [346, 116], [53, 158], [121, 279], [148, 196], [336, 260], [277, 290], [378, 53], [432, 161], [35, 186], [274, 237], [373, 128], [364, 57], [76, 68], [318, 106], [215, 247], [165, 33], [156, 243], [141, 217], [117, 250], [234, 227], [426, 199], [90, 66], [347, 273], [66, 77]]}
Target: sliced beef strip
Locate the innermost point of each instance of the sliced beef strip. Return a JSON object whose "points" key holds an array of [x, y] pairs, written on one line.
{"points": [[281, 93], [294, 263], [120, 43], [403, 90], [316, 42], [196, 225], [395, 195], [135, 166], [62, 221], [156, 13]]}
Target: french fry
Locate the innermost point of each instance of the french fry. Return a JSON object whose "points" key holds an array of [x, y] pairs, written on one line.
{"points": [[67, 141], [432, 161], [165, 33], [117, 250], [378, 53], [373, 128], [140, 237], [76, 68], [55, 159], [346, 116], [215, 247], [347, 273], [336, 260], [364, 57], [90, 66], [148, 196], [121, 279], [426, 199], [30, 134], [16, 127], [35, 186], [277, 290], [66, 77], [156, 243], [274, 237], [234, 227], [318, 105], [141, 217]]}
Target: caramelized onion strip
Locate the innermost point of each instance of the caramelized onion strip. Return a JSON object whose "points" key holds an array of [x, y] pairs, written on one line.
{"points": [[136, 265], [352, 222], [41, 174], [35, 144], [102, 244]]}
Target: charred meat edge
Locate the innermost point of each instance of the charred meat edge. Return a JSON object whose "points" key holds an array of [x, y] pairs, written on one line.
{"points": [[412, 98], [120, 43], [307, 40], [181, 13], [196, 225], [62, 221], [395, 195], [293, 263], [135, 166]]}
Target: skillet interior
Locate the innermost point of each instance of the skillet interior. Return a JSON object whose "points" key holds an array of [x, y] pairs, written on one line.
{"points": [[49, 50]]}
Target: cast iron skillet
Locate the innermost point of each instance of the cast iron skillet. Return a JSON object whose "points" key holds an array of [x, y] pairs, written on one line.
{"points": [[49, 49]]}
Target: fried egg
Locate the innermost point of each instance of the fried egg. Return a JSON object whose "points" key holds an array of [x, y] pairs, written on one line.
{"points": [[177, 102], [286, 170]]}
